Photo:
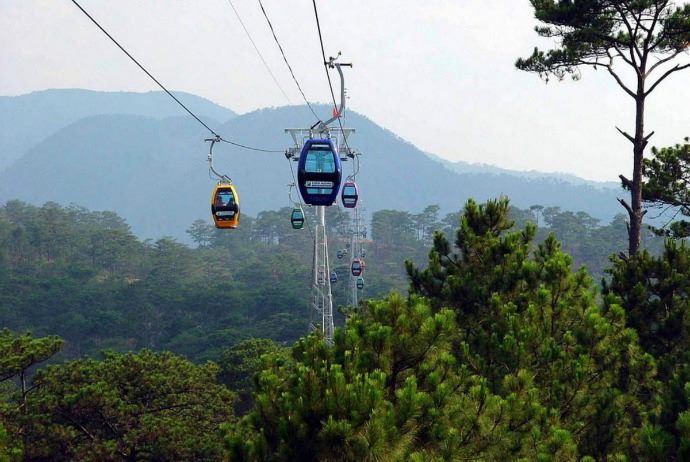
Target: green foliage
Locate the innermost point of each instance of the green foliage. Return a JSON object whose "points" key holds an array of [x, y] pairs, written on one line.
{"points": [[241, 362], [18, 353], [668, 184], [143, 406], [390, 388], [655, 292], [522, 314], [92, 282], [84, 276], [589, 32], [9, 451]]}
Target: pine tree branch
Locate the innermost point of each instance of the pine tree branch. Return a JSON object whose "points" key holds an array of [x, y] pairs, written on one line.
{"points": [[662, 61], [675, 68], [609, 67], [627, 184], [631, 43], [625, 206], [622, 55], [630, 138]]}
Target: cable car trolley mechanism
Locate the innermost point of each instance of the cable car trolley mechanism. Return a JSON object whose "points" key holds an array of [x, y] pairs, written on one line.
{"points": [[225, 203]]}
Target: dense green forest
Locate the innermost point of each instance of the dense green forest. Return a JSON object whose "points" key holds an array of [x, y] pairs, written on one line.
{"points": [[84, 276], [494, 344]]}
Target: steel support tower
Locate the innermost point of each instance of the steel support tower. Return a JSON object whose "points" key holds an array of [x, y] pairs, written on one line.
{"points": [[321, 299], [321, 311]]}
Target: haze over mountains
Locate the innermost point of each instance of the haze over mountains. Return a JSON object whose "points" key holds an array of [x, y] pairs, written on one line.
{"points": [[143, 157]]}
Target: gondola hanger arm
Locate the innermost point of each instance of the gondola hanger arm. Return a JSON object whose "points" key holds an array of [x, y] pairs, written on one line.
{"points": [[220, 176], [332, 63]]}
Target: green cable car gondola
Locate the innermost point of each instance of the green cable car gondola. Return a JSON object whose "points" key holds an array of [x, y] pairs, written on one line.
{"points": [[360, 283], [297, 218]]}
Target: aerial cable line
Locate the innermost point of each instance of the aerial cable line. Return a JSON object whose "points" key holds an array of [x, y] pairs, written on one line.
{"points": [[259, 53], [286, 61], [323, 54], [220, 138], [328, 75]]}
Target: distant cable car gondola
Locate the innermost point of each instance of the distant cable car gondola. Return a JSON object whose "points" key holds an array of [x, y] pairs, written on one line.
{"points": [[319, 172], [225, 206], [349, 195], [357, 267], [339, 254], [363, 253], [360, 283], [297, 218], [334, 277]]}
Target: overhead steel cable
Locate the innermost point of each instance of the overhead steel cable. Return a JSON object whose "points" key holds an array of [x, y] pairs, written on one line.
{"points": [[239, 145], [163, 87], [286, 61], [328, 75], [323, 54], [259, 53]]}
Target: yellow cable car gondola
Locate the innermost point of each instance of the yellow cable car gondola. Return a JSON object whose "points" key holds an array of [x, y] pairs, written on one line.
{"points": [[225, 203], [225, 206]]}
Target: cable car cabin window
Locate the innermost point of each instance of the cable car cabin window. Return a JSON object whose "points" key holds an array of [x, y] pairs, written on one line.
{"points": [[349, 191], [225, 201], [319, 159], [319, 191]]}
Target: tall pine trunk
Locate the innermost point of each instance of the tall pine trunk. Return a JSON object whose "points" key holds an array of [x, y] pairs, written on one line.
{"points": [[636, 213]]}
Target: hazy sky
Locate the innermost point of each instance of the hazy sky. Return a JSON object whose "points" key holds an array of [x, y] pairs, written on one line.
{"points": [[439, 73]]}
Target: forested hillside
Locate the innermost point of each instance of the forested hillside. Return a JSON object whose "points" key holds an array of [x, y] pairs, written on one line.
{"points": [[84, 276], [501, 351]]}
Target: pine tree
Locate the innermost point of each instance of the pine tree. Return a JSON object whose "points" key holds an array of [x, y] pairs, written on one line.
{"points": [[655, 292], [642, 36], [526, 313]]}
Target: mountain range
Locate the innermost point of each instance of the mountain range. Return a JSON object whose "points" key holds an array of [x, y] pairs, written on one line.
{"points": [[142, 156]]}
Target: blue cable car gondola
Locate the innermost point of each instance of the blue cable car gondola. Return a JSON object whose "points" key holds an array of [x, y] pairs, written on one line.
{"points": [[297, 218], [334, 277], [360, 283], [349, 195], [339, 254], [319, 172], [357, 267]]}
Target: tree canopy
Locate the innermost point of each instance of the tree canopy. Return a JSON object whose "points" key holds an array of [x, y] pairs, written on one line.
{"points": [[647, 37]]}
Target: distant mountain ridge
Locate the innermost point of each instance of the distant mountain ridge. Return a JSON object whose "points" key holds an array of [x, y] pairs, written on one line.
{"points": [[467, 167], [26, 120], [153, 170]]}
